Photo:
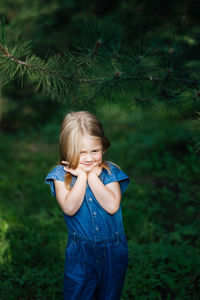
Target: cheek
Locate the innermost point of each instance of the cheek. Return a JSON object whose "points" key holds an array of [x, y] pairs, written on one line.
{"points": [[80, 160], [98, 157]]}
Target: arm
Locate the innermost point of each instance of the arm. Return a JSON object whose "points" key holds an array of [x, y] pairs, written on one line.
{"points": [[70, 201], [108, 196]]}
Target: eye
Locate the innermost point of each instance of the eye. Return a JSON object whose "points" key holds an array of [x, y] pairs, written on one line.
{"points": [[96, 150]]}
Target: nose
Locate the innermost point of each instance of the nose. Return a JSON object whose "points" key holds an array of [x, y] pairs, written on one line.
{"points": [[88, 158]]}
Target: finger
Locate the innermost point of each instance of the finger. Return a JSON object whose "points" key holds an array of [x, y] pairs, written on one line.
{"points": [[65, 162], [67, 169]]}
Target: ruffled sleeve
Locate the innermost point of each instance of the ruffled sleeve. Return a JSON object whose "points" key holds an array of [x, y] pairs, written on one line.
{"points": [[57, 173], [116, 175]]}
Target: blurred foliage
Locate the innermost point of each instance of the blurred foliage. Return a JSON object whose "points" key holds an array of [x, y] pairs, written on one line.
{"points": [[160, 208]]}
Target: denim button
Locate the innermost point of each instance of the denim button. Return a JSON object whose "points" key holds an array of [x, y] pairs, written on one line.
{"points": [[97, 228], [94, 213], [90, 199]]}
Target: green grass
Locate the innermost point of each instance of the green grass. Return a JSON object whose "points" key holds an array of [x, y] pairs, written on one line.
{"points": [[160, 209]]}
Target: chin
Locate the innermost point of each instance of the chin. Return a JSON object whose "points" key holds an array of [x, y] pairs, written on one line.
{"points": [[89, 168]]}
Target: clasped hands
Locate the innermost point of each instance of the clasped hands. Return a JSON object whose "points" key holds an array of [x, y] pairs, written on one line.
{"points": [[96, 170]]}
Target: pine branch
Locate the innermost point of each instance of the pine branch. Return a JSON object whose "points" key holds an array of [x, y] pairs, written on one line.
{"points": [[97, 69]]}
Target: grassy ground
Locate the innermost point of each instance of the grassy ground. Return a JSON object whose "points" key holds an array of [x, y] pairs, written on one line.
{"points": [[159, 209]]}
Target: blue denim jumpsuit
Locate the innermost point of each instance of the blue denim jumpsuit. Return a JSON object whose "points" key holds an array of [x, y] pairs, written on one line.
{"points": [[96, 254]]}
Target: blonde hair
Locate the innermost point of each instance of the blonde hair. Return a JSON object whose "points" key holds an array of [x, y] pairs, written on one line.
{"points": [[74, 126]]}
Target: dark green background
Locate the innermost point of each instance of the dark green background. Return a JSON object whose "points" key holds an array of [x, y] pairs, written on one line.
{"points": [[160, 207]]}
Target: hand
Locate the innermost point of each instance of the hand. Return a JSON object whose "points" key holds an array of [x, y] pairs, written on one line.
{"points": [[76, 172], [96, 170]]}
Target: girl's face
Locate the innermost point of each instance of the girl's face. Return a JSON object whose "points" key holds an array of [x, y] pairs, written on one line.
{"points": [[91, 153]]}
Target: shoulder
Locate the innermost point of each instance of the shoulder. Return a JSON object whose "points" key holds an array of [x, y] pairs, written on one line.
{"points": [[113, 168], [115, 174], [114, 171], [57, 173]]}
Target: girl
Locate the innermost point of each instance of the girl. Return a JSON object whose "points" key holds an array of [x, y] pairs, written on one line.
{"points": [[88, 190]]}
